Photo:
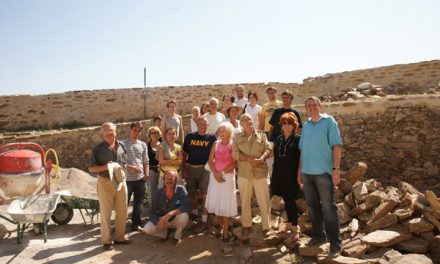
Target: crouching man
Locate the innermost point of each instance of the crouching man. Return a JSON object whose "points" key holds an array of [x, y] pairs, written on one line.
{"points": [[169, 209]]}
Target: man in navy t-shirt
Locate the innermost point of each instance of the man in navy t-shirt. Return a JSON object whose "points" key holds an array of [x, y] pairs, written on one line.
{"points": [[275, 130], [196, 149]]}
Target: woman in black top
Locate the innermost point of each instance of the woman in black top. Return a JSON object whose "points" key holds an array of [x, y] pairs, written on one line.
{"points": [[285, 169], [154, 135]]}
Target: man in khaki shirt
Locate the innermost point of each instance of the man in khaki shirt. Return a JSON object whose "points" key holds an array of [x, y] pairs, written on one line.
{"points": [[251, 148]]}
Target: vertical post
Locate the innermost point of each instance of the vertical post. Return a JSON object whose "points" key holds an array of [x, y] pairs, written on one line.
{"points": [[145, 93]]}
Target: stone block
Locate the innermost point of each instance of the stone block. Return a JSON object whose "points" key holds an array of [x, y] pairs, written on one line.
{"points": [[420, 225], [387, 237], [277, 203], [345, 186], [310, 251], [407, 200], [381, 223], [433, 200], [301, 204], [360, 209], [365, 217], [349, 200], [339, 195], [383, 209], [411, 258], [373, 185], [343, 213], [414, 245], [360, 192], [375, 198], [432, 219], [354, 248], [403, 213], [356, 172], [341, 260]]}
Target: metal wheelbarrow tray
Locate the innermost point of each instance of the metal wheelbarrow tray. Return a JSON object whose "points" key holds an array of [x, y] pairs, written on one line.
{"points": [[64, 211], [34, 209]]}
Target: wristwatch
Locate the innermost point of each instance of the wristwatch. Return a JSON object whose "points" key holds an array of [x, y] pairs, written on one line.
{"points": [[335, 168]]}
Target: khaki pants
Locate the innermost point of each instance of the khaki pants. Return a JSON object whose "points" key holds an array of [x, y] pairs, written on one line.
{"points": [[247, 187], [110, 200], [179, 223]]}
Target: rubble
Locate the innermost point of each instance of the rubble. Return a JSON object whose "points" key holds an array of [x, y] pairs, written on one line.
{"points": [[378, 224]]}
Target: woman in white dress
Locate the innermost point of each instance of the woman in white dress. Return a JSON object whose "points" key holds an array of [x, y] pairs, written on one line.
{"points": [[195, 114], [221, 199]]}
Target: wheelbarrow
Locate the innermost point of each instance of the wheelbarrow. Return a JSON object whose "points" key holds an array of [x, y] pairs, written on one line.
{"points": [[34, 209], [64, 211]]}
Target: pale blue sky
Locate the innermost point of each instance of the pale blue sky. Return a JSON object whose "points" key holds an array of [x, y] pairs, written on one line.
{"points": [[49, 46]]}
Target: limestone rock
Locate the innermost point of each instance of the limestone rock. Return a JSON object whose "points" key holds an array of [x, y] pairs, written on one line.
{"points": [[354, 249], [411, 259], [432, 219], [310, 251], [345, 186], [433, 200], [349, 200], [343, 213], [277, 203], [358, 210], [356, 172], [381, 223], [407, 200], [387, 237], [376, 255], [408, 188], [360, 192], [341, 260], [375, 198], [351, 228], [383, 209], [414, 245], [373, 185], [365, 217], [403, 213], [420, 225], [364, 86]]}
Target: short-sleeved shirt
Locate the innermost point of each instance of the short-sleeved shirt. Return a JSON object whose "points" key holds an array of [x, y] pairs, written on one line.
{"points": [[316, 145], [268, 110], [214, 121], [254, 146], [137, 155], [241, 102], [253, 112], [198, 147], [275, 119], [103, 154], [175, 122]]}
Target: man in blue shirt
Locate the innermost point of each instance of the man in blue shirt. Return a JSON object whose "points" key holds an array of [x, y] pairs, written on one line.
{"points": [[169, 209], [320, 146]]}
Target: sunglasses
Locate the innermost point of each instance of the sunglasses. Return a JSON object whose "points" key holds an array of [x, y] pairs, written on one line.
{"points": [[287, 123]]}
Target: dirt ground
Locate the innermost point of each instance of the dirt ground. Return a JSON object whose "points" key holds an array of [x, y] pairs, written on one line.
{"points": [[77, 242]]}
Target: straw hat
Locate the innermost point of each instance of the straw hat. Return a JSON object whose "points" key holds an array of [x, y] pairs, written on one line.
{"points": [[117, 175], [239, 108]]}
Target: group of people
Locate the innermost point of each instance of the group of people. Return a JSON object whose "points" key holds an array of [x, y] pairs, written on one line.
{"points": [[254, 143]]}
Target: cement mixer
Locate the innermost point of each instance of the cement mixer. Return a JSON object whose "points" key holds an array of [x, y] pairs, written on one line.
{"points": [[22, 171]]}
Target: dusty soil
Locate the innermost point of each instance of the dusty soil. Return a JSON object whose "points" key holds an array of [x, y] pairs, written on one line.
{"points": [[77, 242]]}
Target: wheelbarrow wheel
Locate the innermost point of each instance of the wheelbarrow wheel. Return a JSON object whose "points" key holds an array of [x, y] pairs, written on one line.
{"points": [[62, 214]]}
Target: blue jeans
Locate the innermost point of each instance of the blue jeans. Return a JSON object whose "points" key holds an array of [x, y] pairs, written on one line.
{"points": [[320, 198], [137, 188]]}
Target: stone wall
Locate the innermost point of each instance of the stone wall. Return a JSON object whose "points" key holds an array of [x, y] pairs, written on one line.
{"points": [[122, 105], [397, 136]]}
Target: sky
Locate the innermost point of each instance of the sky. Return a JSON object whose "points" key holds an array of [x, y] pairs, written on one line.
{"points": [[52, 46]]}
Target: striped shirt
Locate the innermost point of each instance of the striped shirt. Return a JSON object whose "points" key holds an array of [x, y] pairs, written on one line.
{"points": [[137, 155]]}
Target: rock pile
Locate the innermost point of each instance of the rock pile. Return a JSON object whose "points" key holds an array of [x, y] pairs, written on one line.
{"points": [[378, 224], [368, 90]]}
